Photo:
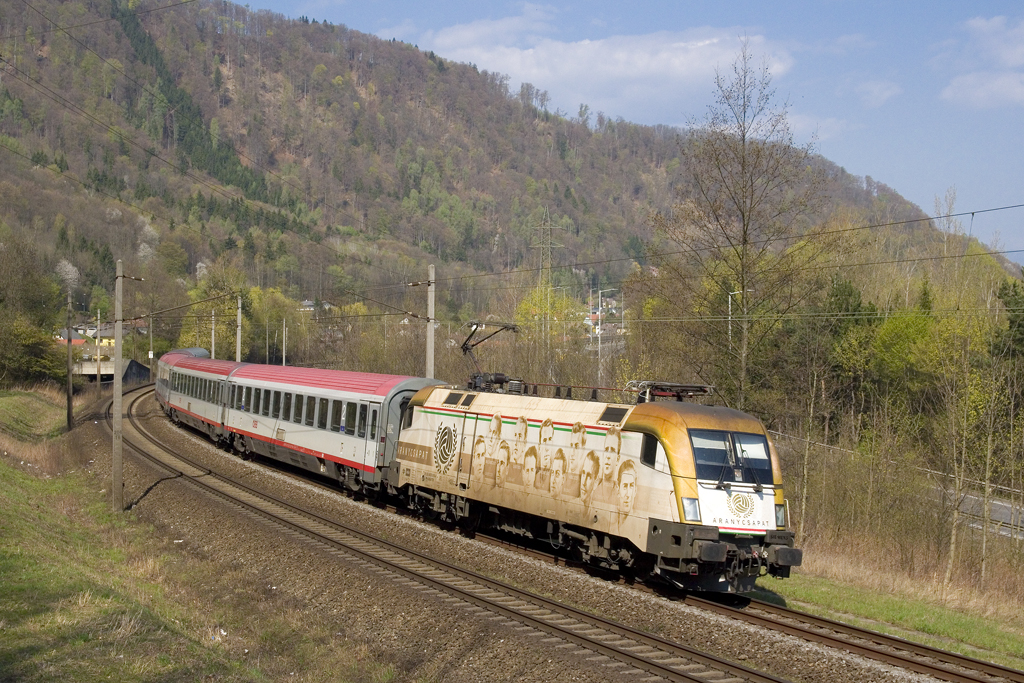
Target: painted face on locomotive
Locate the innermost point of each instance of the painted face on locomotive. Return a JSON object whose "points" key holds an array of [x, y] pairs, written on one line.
{"points": [[610, 454], [558, 473], [530, 467]]}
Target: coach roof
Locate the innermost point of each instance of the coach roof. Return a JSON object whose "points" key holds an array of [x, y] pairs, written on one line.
{"points": [[314, 378], [207, 365]]}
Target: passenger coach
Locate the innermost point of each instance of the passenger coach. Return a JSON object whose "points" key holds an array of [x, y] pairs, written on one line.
{"points": [[326, 421]]}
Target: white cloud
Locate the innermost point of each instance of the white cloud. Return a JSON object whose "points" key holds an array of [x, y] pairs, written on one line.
{"points": [[995, 52], [659, 77], [876, 93], [984, 89], [1002, 43]]}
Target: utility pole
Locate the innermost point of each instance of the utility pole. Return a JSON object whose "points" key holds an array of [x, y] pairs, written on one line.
{"points": [[99, 374], [71, 417], [117, 463], [117, 486], [600, 330], [430, 321], [151, 346], [284, 338], [238, 331], [213, 333]]}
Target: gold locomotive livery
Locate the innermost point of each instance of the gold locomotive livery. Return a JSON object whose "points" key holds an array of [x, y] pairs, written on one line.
{"points": [[684, 491]]}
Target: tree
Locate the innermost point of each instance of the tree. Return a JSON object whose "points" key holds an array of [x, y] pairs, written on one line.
{"points": [[747, 195]]}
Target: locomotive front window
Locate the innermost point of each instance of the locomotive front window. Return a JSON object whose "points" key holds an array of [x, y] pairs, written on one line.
{"points": [[731, 457]]}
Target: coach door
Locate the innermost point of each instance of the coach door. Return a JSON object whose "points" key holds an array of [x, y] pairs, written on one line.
{"points": [[222, 401], [369, 429]]}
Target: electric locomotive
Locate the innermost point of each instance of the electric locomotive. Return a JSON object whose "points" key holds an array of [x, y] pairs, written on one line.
{"points": [[688, 493]]}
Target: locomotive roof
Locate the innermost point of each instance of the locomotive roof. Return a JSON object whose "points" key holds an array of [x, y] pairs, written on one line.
{"points": [[692, 416], [338, 380]]}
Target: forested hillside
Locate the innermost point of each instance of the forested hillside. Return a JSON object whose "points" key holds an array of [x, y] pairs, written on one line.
{"points": [[217, 151]]}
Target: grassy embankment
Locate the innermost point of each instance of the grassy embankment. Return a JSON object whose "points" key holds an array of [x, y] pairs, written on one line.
{"points": [[88, 595], [85, 594]]}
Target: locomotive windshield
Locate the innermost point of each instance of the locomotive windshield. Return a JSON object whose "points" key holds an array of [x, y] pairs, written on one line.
{"points": [[731, 457]]}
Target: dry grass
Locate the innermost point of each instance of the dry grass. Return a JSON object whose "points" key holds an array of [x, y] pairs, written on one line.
{"points": [[861, 564]]}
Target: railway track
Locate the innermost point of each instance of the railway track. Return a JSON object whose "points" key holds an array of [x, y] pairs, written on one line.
{"points": [[559, 626], [940, 664]]}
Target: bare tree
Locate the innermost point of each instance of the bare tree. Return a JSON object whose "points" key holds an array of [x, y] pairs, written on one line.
{"points": [[738, 229]]}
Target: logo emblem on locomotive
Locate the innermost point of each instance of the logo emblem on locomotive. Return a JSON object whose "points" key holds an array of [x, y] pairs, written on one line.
{"points": [[741, 505], [444, 448]]}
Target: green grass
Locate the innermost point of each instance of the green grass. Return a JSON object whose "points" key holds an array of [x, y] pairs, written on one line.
{"points": [[27, 415], [904, 616], [88, 595], [69, 602]]}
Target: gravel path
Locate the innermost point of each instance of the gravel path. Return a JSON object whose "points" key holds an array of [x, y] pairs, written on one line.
{"points": [[426, 637]]}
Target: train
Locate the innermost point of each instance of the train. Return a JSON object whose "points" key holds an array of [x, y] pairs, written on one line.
{"points": [[664, 488]]}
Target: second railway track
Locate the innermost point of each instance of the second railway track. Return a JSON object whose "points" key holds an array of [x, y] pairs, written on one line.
{"points": [[940, 664]]}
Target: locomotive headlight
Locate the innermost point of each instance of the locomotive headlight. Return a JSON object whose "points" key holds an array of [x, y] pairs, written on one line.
{"points": [[780, 515], [691, 509]]}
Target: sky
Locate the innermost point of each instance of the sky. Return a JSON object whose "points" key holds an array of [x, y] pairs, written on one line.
{"points": [[921, 96]]}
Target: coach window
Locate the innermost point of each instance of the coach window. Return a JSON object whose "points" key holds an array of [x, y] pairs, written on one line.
{"points": [[286, 406], [247, 403], [239, 396], [373, 424], [310, 410], [321, 417], [361, 432], [277, 405], [298, 409], [350, 418], [336, 413], [266, 402], [257, 395]]}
